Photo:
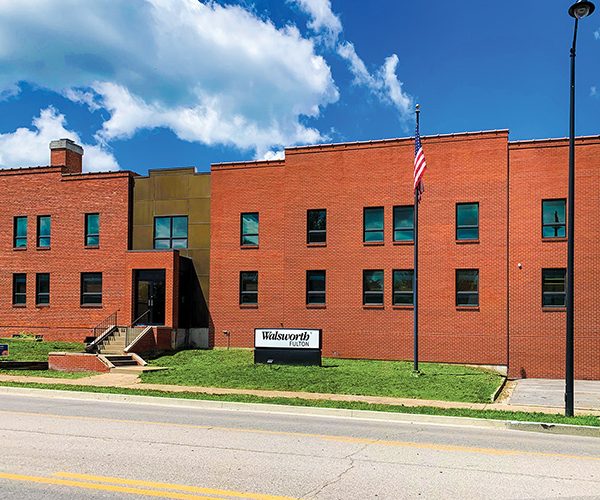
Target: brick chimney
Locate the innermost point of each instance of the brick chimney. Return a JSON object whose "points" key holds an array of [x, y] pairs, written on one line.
{"points": [[65, 153]]}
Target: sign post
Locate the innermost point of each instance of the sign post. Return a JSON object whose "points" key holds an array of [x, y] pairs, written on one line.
{"points": [[291, 346]]}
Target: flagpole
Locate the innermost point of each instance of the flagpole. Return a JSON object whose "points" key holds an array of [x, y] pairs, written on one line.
{"points": [[416, 272]]}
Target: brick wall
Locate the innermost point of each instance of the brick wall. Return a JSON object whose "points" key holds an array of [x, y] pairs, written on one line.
{"points": [[344, 179], [75, 362], [67, 198], [538, 171]]}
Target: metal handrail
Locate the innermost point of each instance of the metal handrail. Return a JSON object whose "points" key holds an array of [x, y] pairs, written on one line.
{"points": [[110, 320], [137, 320]]}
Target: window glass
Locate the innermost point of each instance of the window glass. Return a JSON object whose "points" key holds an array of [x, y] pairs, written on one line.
{"points": [[171, 232], [467, 287], [373, 287], [553, 287], [373, 224], [403, 287], [553, 218], [92, 230], [249, 232], [42, 289], [315, 287], [404, 223], [249, 287], [317, 226], [43, 236], [91, 288], [467, 221], [19, 289], [20, 232]]}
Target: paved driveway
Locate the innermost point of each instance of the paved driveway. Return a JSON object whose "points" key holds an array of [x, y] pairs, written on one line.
{"points": [[545, 392]]}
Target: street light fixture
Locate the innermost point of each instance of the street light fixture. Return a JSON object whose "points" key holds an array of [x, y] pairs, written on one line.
{"points": [[578, 10]]}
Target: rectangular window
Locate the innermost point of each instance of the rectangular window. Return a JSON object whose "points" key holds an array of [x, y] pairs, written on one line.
{"points": [[20, 232], [404, 229], [316, 226], [91, 289], [42, 289], [373, 287], [248, 287], [467, 287], [171, 232], [467, 221], [249, 229], [43, 231], [553, 218], [92, 230], [19, 289], [554, 283], [373, 224], [403, 287], [315, 287]]}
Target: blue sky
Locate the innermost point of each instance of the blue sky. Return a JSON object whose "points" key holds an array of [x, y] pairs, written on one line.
{"points": [[163, 83]]}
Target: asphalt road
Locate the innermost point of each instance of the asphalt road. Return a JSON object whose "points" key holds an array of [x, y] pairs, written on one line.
{"points": [[63, 448]]}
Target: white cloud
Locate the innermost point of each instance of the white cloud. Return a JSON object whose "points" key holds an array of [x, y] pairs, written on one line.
{"points": [[323, 20], [274, 155], [26, 147], [593, 91], [384, 83], [212, 74], [597, 34]]}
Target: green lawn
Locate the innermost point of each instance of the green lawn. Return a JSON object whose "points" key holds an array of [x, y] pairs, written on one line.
{"points": [[30, 350], [240, 398], [235, 369]]}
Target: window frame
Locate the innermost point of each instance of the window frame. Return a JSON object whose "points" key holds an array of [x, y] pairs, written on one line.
{"points": [[464, 293], [411, 228], [86, 231], [84, 294], [312, 293], [245, 292], [564, 224], [366, 293], [39, 236], [468, 226], [365, 230], [16, 294], [39, 294], [243, 234], [310, 231], [16, 237], [563, 293], [411, 293], [171, 238]]}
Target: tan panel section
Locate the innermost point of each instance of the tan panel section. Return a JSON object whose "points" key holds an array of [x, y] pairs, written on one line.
{"points": [[199, 210], [201, 260], [198, 236], [171, 187], [143, 189], [142, 237], [199, 186], [142, 212], [204, 284], [170, 207]]}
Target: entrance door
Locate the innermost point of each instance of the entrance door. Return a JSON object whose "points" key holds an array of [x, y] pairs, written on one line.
{"points": [[150, 296]]}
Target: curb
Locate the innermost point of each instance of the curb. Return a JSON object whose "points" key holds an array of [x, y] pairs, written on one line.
{"points": [[406, 418]]}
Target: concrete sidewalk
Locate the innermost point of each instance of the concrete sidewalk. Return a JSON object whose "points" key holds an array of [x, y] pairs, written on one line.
{"points": [[131, 381], [551, 393]]}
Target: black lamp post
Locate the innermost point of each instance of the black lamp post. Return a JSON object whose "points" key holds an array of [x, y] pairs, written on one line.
{"points": [[578, 10]]}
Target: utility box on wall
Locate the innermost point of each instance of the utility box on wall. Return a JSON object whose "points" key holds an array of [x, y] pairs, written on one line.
{"points": [[290, 346]]}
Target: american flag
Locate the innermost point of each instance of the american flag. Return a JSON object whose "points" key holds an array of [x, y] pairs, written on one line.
{"points": [[420, 165]]}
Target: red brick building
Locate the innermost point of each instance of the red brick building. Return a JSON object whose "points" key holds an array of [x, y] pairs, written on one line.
{"points": [[323, 239], [65, 263]]}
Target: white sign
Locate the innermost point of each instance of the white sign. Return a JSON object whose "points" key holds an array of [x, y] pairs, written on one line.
{"points": [[287, 338]]}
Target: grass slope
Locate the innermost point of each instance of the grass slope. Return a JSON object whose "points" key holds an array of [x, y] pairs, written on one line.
{"points": [[235, 369], [29, 350]]}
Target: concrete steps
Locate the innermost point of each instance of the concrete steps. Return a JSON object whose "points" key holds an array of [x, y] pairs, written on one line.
{"points": [[121, 360]]}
